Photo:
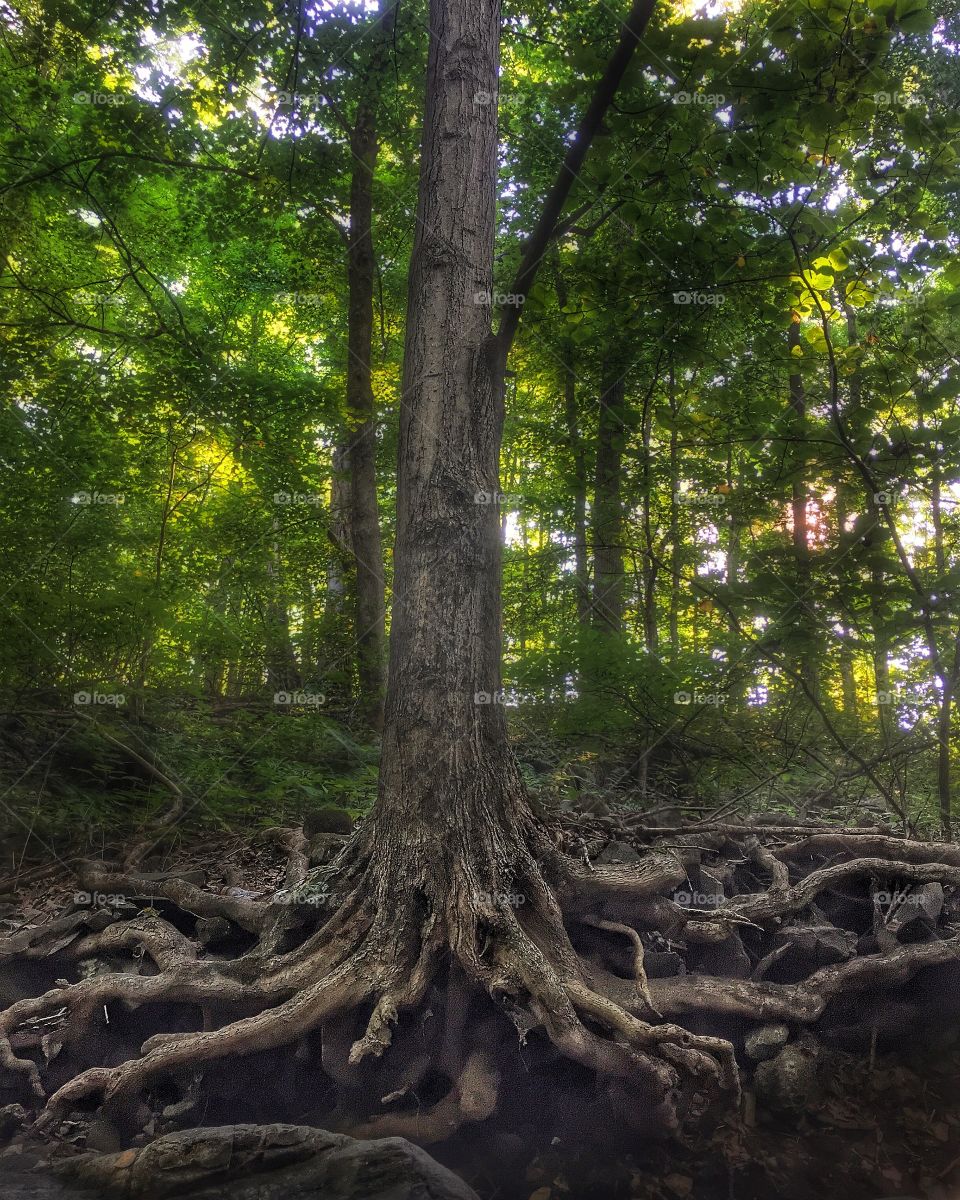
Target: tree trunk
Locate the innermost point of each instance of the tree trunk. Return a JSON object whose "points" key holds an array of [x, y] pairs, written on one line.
{"points": [[674, 525], [578, 455], [361, 450], [947, 681], [801, 543], [608, 507], [449, 796], [283, 674], [848, 683], [650, 565]]}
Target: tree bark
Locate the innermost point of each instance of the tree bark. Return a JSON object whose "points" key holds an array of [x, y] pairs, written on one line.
{"points": [[674, 524], [650, 566], [608, 572], [449, 795], [283, 674], [361, 449], [801, 533], [578, 454], [947, 682], [452, 819]]}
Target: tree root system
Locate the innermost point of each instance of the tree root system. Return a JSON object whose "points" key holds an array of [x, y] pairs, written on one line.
{"points": [[592, 976]]}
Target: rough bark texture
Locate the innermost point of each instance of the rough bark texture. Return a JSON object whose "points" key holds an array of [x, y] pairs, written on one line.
{"points": [[448, 783]]}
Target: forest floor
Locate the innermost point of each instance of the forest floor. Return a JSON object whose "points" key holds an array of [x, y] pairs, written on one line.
{"points": [[877, 1119], [885, 1123]]}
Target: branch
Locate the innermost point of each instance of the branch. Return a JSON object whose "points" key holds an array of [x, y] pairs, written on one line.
{"points": [[536, 246]]}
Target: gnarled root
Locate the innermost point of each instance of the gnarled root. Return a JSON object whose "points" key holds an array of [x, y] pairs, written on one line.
{"points": [[378, 937]]}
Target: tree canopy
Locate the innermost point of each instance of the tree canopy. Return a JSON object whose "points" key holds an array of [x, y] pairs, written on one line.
{"points": [[729, 473]]}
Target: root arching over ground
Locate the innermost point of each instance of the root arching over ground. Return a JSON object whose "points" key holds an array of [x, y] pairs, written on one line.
{"points": [[643, 975]]}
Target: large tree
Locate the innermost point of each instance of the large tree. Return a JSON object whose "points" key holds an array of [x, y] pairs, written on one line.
{"points": [[453, 888]]}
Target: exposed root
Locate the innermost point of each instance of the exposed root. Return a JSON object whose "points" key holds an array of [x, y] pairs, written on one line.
{"points": [[640, 974], [328, 948], [472, 1098]]}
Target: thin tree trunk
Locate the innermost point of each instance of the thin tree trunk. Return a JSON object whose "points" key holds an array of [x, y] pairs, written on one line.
{"points": [[848, 683], [150, 619], [881, 647], [361, 450], [738, 672], [650, 568], [608, 572], [283, 674], [801, 533], [674, 524], [578, 454], [947, 682]]}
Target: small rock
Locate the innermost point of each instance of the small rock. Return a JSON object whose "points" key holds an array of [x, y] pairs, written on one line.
{"points": [[326, 819], [323, 847], [103, 1135], [12, 1118], [727, 959], [788, 1084], [211, 930], [679, 1185], [663, 964], [816, 945], [765, 1041], [618, 852], [179, 1115]]}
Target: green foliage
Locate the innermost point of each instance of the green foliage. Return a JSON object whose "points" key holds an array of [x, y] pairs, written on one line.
{"points": [[173, 351]]}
